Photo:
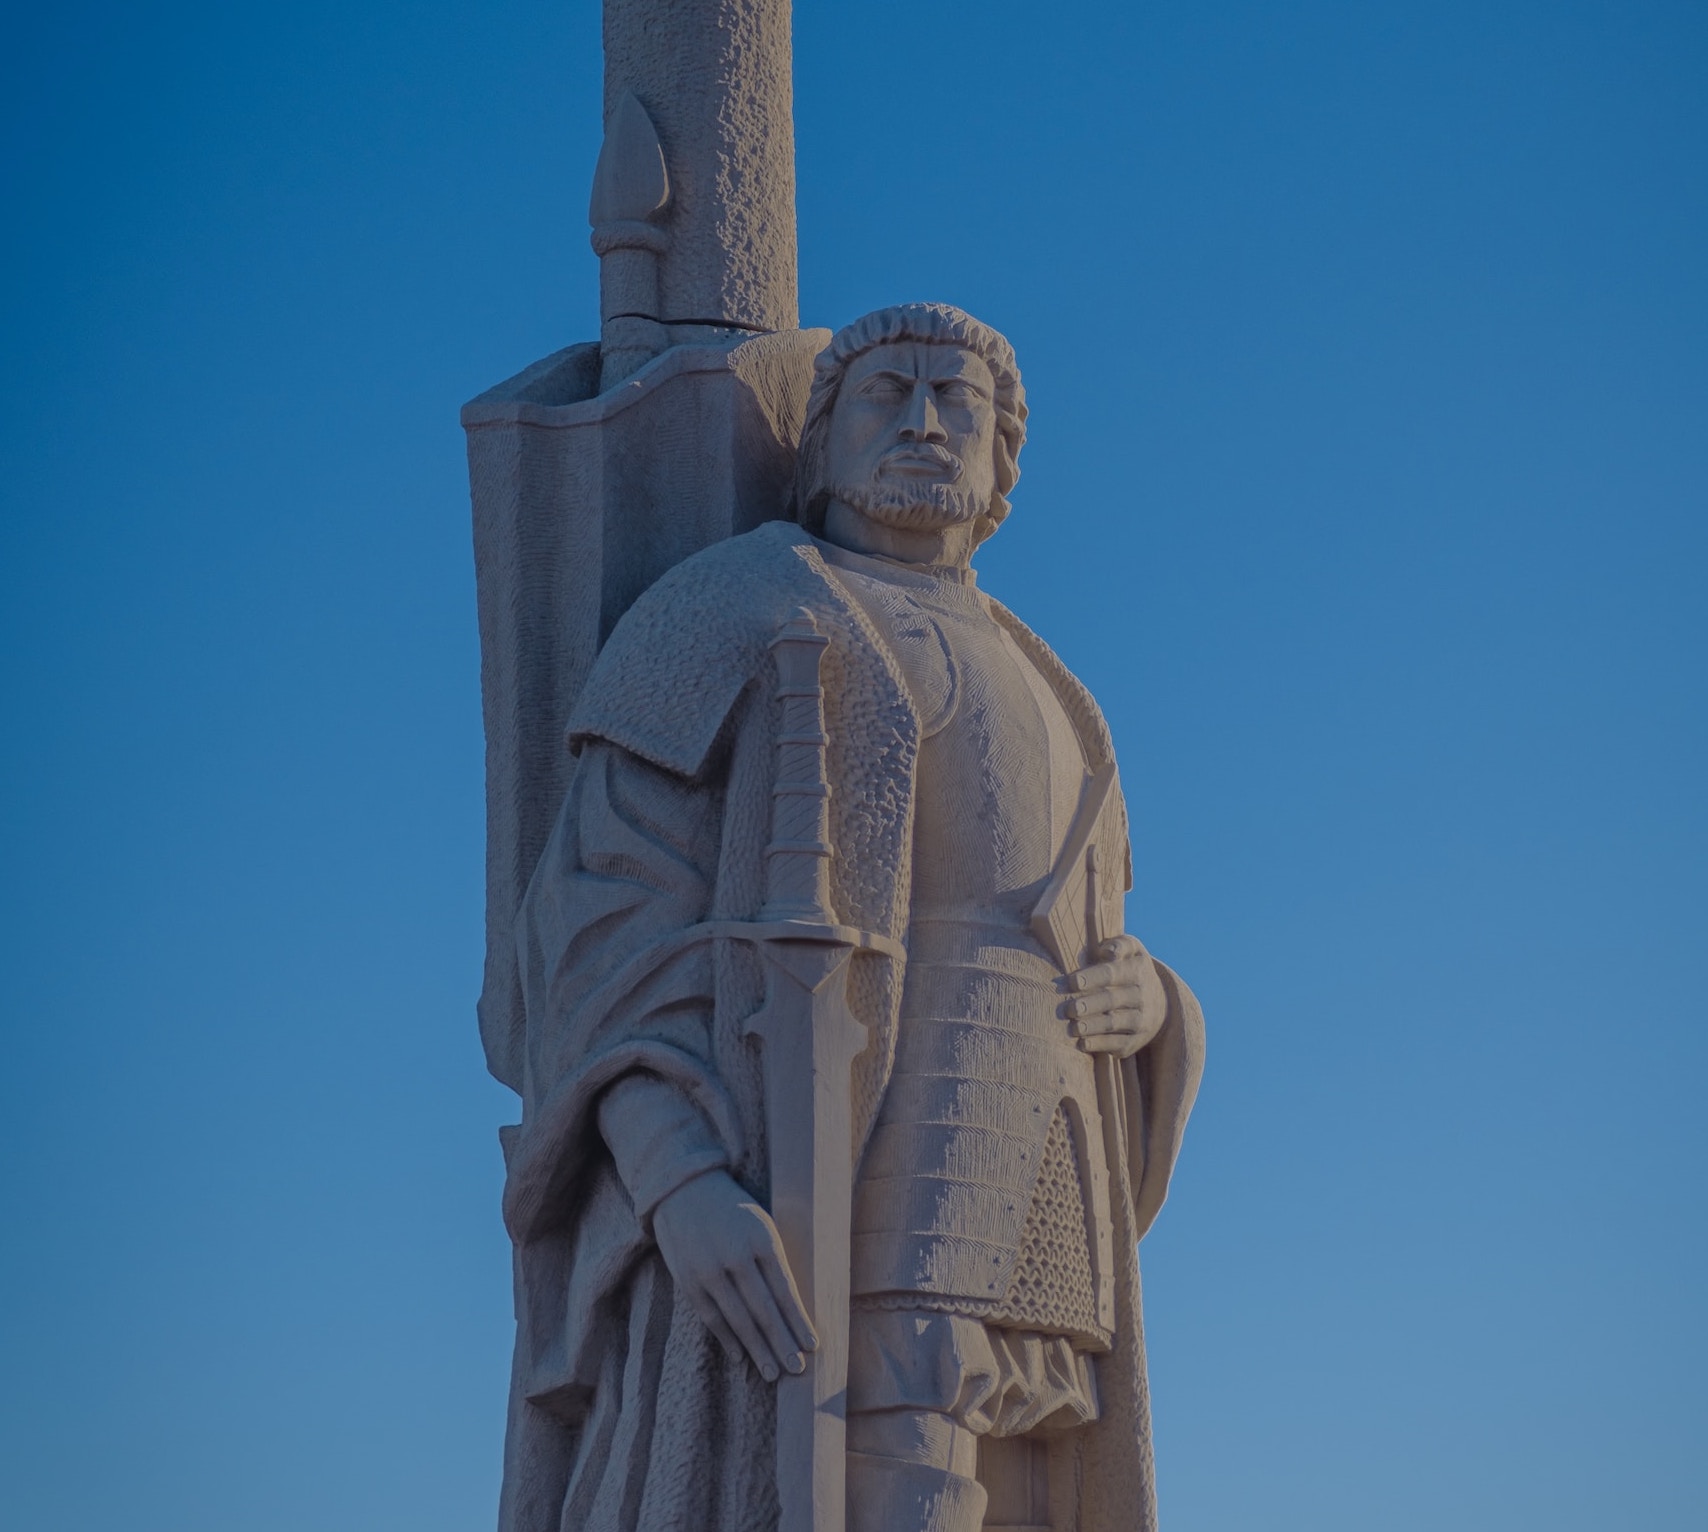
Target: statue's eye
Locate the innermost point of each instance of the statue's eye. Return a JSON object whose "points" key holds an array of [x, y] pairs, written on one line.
{"points": [[885, 390]]}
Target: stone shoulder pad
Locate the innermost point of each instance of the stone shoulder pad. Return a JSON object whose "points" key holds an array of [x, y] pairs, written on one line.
{"points": [[681, 655]]}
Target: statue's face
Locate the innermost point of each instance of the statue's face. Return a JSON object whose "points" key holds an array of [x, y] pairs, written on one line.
{"points": [[912, 439]]}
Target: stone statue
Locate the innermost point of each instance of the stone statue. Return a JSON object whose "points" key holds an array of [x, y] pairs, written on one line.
{"points": [[815, 754], [845, 1098]]}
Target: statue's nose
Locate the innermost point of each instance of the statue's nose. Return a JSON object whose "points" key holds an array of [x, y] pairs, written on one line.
{"points": [[921, 424]]}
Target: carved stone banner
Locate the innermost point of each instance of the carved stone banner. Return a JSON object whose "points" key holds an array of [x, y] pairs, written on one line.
{"points": [[846, 1098]]}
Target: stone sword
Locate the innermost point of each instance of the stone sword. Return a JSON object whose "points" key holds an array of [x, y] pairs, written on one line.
{"points": [[809, 1039]]}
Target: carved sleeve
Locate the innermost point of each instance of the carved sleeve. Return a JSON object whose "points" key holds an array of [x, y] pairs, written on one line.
{"points": [[630, 865], [659, 1139]]}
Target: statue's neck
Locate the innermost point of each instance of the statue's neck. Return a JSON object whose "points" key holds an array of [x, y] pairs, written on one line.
{"points": [[919, 577], [943, 548]]}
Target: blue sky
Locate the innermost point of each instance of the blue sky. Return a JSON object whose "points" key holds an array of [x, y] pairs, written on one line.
{"points": [[1367, 346]]}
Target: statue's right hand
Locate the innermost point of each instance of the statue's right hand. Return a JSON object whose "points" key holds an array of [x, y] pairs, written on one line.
{"points": [[726, 1257]]}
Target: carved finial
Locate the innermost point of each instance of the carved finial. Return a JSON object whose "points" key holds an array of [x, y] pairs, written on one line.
{"points": [[630, 181], [631, 189]]}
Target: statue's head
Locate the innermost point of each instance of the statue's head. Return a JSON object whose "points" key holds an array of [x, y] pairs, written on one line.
{"points": [[915, 421]]}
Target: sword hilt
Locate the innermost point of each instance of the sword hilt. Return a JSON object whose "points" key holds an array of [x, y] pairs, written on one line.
{"points": [[797, 860]]}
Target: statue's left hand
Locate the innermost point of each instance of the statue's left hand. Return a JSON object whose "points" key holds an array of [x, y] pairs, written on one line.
{"points": [[1116, 1005], [726, 1257]]}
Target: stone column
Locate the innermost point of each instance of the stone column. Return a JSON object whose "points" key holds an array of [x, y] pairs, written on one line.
{"points": [[595, 470], [714, 79]]}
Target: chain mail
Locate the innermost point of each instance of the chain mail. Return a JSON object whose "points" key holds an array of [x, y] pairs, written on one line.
{"points": [[1053, 1289]]}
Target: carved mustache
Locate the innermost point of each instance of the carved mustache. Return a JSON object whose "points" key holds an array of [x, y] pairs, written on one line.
{"points": [[921, 452]]}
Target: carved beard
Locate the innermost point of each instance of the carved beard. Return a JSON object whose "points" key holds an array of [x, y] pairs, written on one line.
{"points": [[912, 507]]}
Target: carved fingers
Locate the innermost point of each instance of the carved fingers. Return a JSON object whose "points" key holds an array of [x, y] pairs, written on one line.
{"points": [[726, 1258], [1125, 961], [1109, 1022], [1117, 1005]]}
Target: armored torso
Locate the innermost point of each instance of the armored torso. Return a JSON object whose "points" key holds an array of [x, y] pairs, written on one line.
{"points": [[984, 1189]]}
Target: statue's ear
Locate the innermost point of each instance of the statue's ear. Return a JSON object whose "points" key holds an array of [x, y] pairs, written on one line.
{"points": [[1007, 464]]}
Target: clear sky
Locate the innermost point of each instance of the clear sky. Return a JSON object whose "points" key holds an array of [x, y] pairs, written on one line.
{"points": [[1367, 346]]}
